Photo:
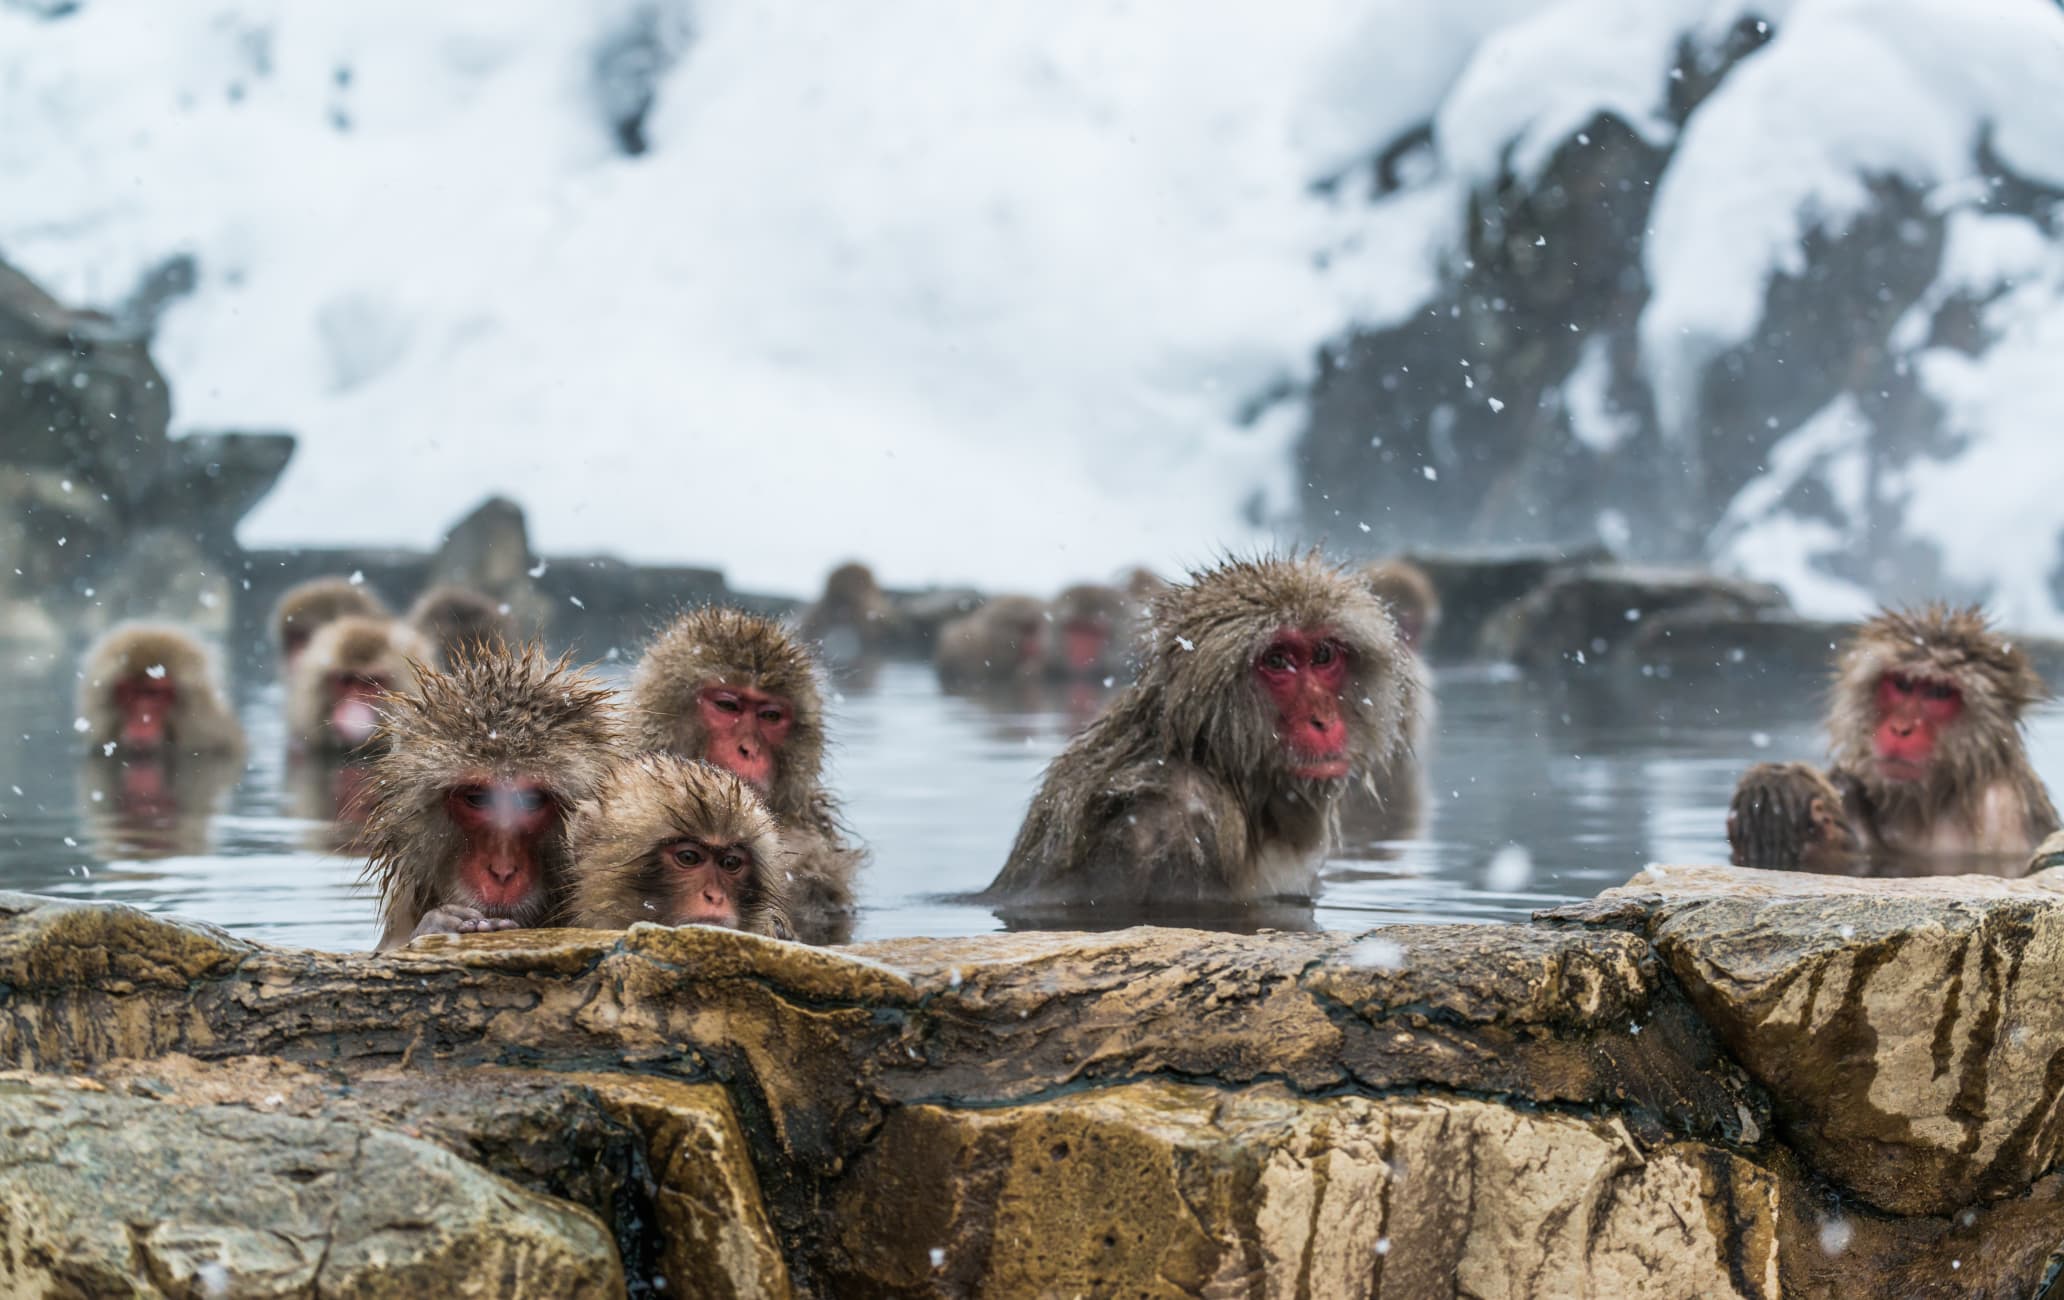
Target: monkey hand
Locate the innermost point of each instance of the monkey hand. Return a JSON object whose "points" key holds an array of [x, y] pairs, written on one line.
{"points": [[1789, 817], [455, 918]]}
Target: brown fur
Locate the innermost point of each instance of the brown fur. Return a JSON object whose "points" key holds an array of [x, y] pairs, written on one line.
{"points": [[200, 722], [307, 607], [1181, 791], [496, 715], [1409, 595], [648, 803], [1108, 609], [853, 619], [714, 645], [1005, 640], [1980, 797], [352, 645], [1789, 816], [452, 617]]}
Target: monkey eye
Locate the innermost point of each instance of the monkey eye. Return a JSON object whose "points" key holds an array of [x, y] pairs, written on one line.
{"points": [[1939, 691], [1325, 652], [1901, 683], [729, 704], [1277, 660], [688, 855], [527, 800], [732, 862], [770, 715], [475, 796]]}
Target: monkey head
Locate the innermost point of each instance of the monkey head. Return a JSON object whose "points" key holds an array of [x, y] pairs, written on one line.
{"points": [[150, 689], [737, 690], [307, 607], [677, 842], [350, 666], [1091, 621], [482, 764], [1285, 668], [1409, 595], [1930, 699]]}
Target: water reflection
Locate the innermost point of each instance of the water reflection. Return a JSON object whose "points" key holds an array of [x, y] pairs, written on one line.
{"points": [[1534, 795]]}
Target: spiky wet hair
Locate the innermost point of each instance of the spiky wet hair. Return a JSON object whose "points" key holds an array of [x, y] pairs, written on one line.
{"points": [[1206, 636], [1943, 643], [494, 714], [649, 802], [719, 645]]}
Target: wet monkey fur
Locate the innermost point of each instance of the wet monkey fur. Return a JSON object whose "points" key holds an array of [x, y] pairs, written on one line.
{"points": [[1268, 687], [483, 763], [677, 841], [1925, 724]]}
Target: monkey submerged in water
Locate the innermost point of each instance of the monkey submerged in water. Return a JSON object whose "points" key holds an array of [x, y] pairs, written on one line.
{"points": [[483, 763], [1267, 688], [677, 841], [1930, 770], [151, 689], [739, 691], [335, 687], [453, 618], [307, 608]]}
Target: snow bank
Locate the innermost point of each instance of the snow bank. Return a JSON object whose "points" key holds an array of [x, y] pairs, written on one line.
{"points": [[972, 291]]}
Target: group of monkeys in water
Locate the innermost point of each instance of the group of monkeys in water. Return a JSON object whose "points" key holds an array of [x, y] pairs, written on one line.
{"points": [[1268, 698]]}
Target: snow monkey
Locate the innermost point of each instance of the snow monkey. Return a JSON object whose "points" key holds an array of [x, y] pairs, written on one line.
{"points": [[1409, 595], [738, 690], [1268, 687], [1003, 641], [853, 620], [334, 688], [1929, 764], [677, 841], [151, 689], [1092, 641], [483, 763], [305, 608], [450, 617]]}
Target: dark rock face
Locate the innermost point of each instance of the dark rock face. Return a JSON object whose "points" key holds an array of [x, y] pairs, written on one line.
{"points": [[1711, 1088], [95, 495], [1588, 615]]}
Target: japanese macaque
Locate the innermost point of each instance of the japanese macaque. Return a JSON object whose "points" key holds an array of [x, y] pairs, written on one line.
{"points": [[677, 841], [335, 688], [740, 691], [852, 620], [1092, 635], [306, 608], [148, 689], [1930, 773], [1003, 641], [1269, 687], [451, 617], [1409, 595], [483, 764]]}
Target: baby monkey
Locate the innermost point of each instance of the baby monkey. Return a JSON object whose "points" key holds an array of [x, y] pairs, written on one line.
{"points": [[677, 841]]}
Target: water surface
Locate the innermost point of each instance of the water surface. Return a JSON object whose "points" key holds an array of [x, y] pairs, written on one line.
{"points": [[1539, 795]]}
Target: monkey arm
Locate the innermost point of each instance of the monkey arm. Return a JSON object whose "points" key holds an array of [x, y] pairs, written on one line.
{"points": [[1790, 817]]}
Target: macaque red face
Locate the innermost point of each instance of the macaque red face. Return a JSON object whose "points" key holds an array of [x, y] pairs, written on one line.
{"points": [[1083, 642], [703, 882], [354, 706], [145, 705], [1912, 711], [501, 866], [746, 730], [1302, 674]]}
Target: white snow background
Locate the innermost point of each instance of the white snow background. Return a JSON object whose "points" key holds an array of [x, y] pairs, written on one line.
{"points": [[976, 291]]}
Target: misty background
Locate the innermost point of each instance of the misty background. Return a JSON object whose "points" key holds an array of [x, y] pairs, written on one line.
{"points": [[1017, 293]]}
